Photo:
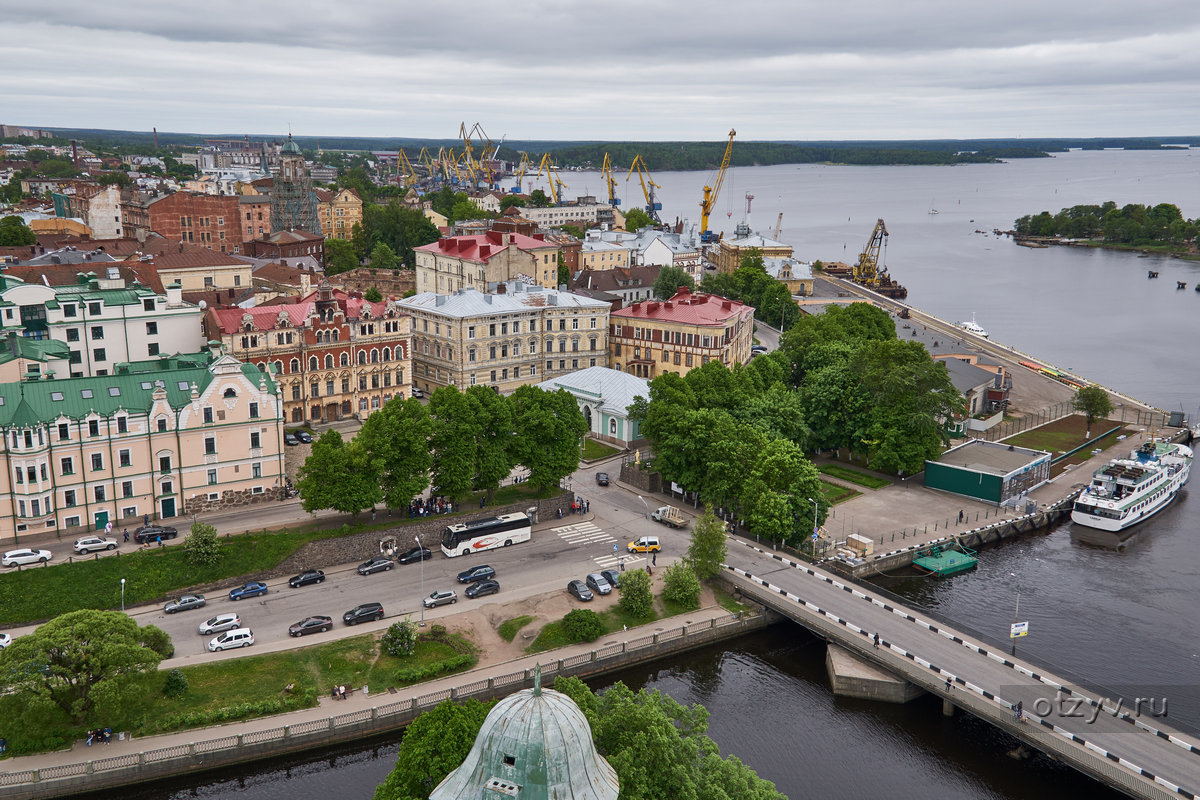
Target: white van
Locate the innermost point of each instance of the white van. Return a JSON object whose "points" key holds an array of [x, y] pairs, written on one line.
{"points": [[646, 544], [240, 637]]}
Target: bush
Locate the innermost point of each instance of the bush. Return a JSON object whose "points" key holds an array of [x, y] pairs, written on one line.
{"points": [[176, 684], [681, 586], [637, 600], [437, 631], [201, 545], [583, 625], [400, 639], [424, 672]]}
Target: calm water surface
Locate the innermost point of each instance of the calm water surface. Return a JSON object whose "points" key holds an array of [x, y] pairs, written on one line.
{"points": [[1126, 620]]}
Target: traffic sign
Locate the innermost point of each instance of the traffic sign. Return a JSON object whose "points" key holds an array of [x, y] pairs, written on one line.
{"points": [[614, 548], [1018, 629]]}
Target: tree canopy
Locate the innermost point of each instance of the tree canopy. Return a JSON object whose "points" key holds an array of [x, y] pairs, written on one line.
{"points": [[669, 279], [1132, 224], [338, 475], [399, 227], [1094, 403], [340, 256], [549, 428], [15, 233], [750, 284], [396, 440], [434, 745], [636, 219]]}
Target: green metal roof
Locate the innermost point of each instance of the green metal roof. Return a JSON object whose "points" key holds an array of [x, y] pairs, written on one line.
{"points": [[130, 389], [34, 349]]}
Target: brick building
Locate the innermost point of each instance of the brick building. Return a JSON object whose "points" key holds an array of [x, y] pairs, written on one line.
{"points": [[288, 245], [254, 213], [334, 355], [389, 282], [210, 221], [483, 262]]}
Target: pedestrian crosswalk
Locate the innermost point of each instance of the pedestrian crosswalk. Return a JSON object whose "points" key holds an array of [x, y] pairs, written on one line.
{"points": [[587, 533]]}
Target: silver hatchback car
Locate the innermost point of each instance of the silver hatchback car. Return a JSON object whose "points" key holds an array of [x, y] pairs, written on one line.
{"points": [[219, 623]]}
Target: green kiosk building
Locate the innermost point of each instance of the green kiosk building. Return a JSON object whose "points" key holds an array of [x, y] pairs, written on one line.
{"points": [[990, 471]]}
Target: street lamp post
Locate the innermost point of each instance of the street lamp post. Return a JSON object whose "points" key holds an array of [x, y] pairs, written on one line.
{"points": [[122, 595], [646, 506], [420, 557], [1016, 612], [813, 540]]}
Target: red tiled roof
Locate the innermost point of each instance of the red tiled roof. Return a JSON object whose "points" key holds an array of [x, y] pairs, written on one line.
{"points": [[685, 307], [298, 310], [291, 237], [483, 246], [279, 273], [324, 195], [68, 274]]}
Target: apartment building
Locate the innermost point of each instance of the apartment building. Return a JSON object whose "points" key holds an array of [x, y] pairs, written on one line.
{"points": [[98, 206], [521, 334], [334, 355], [164, 438], [729, 254], [210, 221], [652, 337], [338, 212], [484, 261], [582, 211], [597, 254]]}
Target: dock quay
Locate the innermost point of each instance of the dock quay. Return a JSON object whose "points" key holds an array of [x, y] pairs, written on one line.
{"points": [[1126, 747]]}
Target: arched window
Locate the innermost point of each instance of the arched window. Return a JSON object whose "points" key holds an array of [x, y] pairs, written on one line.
{"points": [[230, 392], [362, 356], [344, 359], [335, 335], [387, 354], [312, 363], [328, 361], [278, 367], [295, 365], [612, 427], [374, 356], [262, 367]]}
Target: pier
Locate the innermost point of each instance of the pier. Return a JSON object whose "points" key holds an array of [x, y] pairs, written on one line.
{"points": [[1125, 746]]}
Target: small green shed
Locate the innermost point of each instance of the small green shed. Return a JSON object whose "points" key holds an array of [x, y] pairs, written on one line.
{"points": [[990, 471]]}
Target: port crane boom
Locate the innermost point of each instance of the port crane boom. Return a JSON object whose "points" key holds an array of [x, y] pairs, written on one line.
{"points": [[556, 184], [610, 182], [712, 192], [648, 187], [869, 272]]}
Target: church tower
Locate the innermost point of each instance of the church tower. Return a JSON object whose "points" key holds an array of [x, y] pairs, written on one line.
{"points": [[293, 201]]}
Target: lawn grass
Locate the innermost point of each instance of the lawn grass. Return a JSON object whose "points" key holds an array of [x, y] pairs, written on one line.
{"points": [[726, 601], [1060, 435], [854, 476], [593, 450], [835, 494], [553, 635], [509, 628]]}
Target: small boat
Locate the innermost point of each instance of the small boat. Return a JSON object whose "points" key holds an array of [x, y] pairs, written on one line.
{"points": [[973, 327], [1180, 284], [1151, 273], [1198, 287], [942, 562], [1130, 490]]}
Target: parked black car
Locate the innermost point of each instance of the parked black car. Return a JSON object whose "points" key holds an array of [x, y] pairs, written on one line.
{"points": [[476, 574], [415, 554], [580, 590], [310, 625], [613, 577], [150, 533], [367, 612], [376, 564], [306, 577], [290, 439], [304, 436], [482, 588], [602, 478]]}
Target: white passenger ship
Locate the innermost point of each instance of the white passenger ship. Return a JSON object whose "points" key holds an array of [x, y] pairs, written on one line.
{"points": [[1131, 490]]}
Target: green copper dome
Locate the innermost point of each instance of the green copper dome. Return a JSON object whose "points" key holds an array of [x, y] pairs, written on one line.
{"points": [[290, 146]]}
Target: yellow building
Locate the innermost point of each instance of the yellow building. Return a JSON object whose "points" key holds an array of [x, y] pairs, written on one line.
{"points": [[652, 337], [598, 254], [729, 254], [338, 212]]}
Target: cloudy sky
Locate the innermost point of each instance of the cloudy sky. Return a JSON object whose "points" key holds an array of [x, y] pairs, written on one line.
{"points": [[620, 70]]}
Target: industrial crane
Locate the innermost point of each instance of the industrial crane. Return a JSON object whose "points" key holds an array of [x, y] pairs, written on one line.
{"points": [[778, 227], [711, 193], [556, 185], [406, 169], [610, 182], [869, 272], [424, 158], [520, 172], [648, 187]]}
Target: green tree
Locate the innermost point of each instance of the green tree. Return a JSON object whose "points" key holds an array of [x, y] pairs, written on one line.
{"points": [[383, 257], [777, 491], [436, 743], [465, 208], [573, 230], [454, 441], [564, 274], [340, 256], [539, 199], [1094, 403], [706, 552], [399, 227], [373, 295], [681, 586], [15, 233], [201, 545], [637, 597], [494, 459], [508, 201], [116, 177], [583, 625], [81, 662], [175, 684], [636, 219], [549, 428], [339, 475], [400, 639], [396, 439], [670, 278]]}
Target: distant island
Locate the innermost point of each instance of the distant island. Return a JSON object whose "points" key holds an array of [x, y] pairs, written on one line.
{"points": [[1161, 228]]}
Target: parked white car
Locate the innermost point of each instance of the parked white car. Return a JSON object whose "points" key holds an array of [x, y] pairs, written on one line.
{"points": [[5, 640], [14, 557], [238, 637], [89, 543]]}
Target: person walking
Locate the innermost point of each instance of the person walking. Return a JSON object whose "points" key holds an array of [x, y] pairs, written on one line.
{"points": [[1019, 710], [876, 639], [159, 540], [127, 536], [948, 685], [145, 519], [654, 559]]}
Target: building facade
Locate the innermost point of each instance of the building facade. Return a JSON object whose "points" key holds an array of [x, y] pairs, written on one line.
{"points": [[519, 336], [254, 214], [334, 355], [293, 201], [597, 254], [98, 206], [338, 212], [289, 245], [210, 221], [730, 252], [483, 262], [604, 396], [680, 334], [162, 438]]}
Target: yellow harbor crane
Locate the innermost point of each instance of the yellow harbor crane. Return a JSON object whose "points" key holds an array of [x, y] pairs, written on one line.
{"points": [[648, 187], [406, 169], [424, 158], [610, 182], [870, 272], [712, 192], [556, 184], [522, 168]]}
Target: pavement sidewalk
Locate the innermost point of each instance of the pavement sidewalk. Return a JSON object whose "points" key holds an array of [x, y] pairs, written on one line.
{"points": [[357, 700]]}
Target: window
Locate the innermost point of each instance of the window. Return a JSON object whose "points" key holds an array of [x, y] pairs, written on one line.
{"points": [[99, 355], [98, 493], [69, 498], [76, 358], [67, 466], [126, 488], [210, 445], [294, 366], [208, 282], [148, 305], [164, 464], [162, 424], [122, 424], [86, 394], [97, 332], [69, 310], [125, 458], [212, 477], [72, 334], [255, 439], [256, 470], [151, 328], [64, 432], [97, 461], [94, 309], [254, 411], [329, 387], [114, 391], [314, 390], [295, 391], [208, 414], [93, 427]]}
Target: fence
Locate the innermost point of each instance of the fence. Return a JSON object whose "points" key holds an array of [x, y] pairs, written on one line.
{"points": [[209, 753], [1149, 418]]}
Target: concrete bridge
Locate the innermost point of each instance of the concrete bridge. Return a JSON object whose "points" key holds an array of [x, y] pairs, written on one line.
{"points": [[1124, 746]]}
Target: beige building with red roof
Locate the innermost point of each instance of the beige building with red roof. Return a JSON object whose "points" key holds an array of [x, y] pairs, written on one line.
{"points": [[655, 336], [338, 212], [483, 262]]}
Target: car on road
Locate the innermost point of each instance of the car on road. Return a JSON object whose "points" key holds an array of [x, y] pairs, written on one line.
{"points": [[415, 554], [645, 544], [596, 582], [151, 533], [306, 577], [376, 564], [317, 624], [477, 573], [5, 640], [367, 612], [417, 393], [602, 478], [251, 589], [440, 598], [240, 637], [89, 543], [185, 602], [482, 588], [219, 624], [758, 348], [290, 439], [15, 558], [613, 577], [304, 436], [580, 590]]}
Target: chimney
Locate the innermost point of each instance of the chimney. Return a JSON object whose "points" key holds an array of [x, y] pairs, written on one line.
{"points": [[175, 294]]}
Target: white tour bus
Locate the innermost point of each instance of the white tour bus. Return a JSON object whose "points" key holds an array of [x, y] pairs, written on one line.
{"points": [[485, 534]]}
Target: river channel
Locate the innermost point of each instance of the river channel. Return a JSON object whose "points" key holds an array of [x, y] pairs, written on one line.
{"points": [[1124, 620]]}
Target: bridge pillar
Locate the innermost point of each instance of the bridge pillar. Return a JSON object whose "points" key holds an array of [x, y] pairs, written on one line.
{"points": [[947, 707], [851, 676]]}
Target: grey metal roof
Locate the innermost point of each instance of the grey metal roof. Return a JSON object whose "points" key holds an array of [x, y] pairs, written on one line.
{"points": [[605, 388], [800, 270], [517, 297], [991, 458], [966, 376]]}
